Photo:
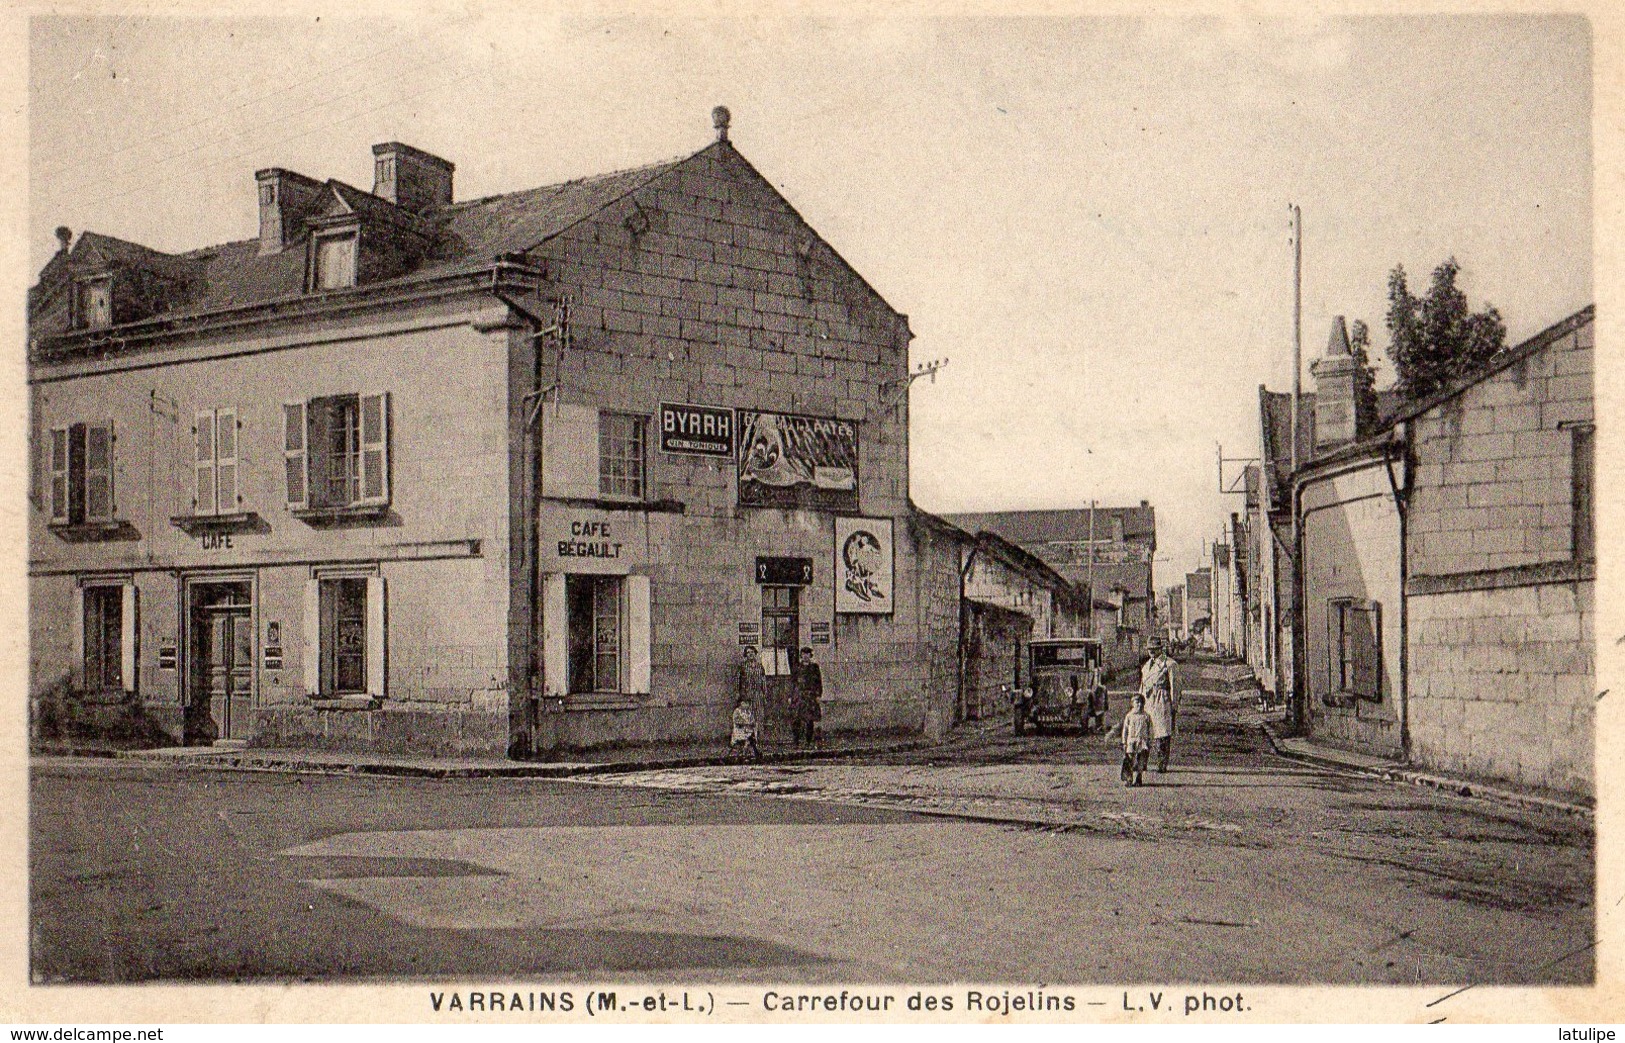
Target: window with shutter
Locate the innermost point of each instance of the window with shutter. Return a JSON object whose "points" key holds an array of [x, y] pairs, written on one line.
{"points": [[597, 631], [294, 453], [1582, 460], [82, 474], [336, 450], [103, 629], [374, 450], [203, 493], [99, 472], [225, 464], [344, 625], [59, 474], [1356, 648]]}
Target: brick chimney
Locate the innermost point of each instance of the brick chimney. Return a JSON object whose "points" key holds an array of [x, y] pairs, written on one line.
{"points": [[1336, 420], [286, 199], [409, 177]]}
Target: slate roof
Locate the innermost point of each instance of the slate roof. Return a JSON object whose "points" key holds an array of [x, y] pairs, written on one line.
{"points": [[464, 237]]}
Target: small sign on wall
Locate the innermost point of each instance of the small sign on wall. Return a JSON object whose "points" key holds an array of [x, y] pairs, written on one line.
{"points": [[788, 572], [819, 633], [166, 657], [273, 657], [750, 634]]}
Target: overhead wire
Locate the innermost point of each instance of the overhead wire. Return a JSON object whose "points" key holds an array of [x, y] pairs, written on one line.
{"points": [[291, 137], [221, 114]]}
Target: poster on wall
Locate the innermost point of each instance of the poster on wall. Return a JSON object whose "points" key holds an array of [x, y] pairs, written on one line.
{"points": [[863, 565], [787, 460]]}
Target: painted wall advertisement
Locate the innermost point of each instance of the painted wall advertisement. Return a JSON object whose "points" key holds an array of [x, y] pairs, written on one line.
{"points": [[863, 565], [787, 460]]}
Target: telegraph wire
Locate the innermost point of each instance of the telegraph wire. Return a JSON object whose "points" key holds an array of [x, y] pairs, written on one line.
{"points": [[281, 119], [223, 113], [291, 137]]}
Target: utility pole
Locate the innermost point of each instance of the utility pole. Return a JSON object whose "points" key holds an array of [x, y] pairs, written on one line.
{"points": [[1091, 568], [1297, 324]]}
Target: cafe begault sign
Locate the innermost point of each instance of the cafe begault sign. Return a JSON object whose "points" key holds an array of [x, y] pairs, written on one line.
{"points": [[583, 540]]}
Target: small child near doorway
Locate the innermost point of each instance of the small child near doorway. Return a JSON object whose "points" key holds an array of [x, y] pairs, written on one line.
{"points": [[742, 742]]}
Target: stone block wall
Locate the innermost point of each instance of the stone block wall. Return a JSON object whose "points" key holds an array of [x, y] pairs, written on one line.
{"points": [[1502, 684], [1502, 653], [704, 286], [1492, 485]]}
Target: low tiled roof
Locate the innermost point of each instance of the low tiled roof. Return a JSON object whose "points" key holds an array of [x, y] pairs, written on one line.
{"points": [[1028, 528]]}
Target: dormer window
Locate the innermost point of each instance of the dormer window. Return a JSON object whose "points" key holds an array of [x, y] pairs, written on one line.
{"points": [[333, 264], [93, 303]]}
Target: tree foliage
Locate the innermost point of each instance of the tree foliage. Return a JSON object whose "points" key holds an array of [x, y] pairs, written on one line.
{"points": [[1365, 377], [1436, 339]]}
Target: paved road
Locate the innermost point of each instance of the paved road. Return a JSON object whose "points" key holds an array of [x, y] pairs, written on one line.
{"points": [[1235, 867]]}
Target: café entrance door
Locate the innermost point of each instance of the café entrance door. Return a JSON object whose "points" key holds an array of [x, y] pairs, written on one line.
{"points": [[221, 656]]}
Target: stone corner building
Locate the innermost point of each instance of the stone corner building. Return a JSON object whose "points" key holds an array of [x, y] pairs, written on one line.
{"points": [[508, 474]]}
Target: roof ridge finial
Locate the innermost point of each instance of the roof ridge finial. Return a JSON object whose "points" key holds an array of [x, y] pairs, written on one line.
{"points": [[720, 118]]}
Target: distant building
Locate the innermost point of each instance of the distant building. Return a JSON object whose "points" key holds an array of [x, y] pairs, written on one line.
{"points": [[1108, 548], [1198, 611], [1173, 600]]}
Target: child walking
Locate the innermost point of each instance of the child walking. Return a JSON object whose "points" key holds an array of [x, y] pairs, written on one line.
{"points": [[1136, 743], [743, 741]]}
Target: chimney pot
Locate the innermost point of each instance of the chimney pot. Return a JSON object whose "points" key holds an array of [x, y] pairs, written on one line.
{"points": [[64, 235], [720, 118]]}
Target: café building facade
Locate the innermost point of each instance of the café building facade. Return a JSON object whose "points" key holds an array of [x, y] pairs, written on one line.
{"points": [[521, 473]]}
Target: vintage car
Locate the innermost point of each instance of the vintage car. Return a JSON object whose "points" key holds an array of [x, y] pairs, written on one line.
{"points": [[1068, 688]]}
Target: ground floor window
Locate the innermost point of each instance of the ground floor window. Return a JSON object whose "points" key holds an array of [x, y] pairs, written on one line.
{"points": [[596, 630], [344, 636], [1356, 648], [781, 629], [104, 637]]}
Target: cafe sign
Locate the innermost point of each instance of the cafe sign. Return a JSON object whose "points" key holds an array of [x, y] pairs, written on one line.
{"points": [[589, 541], [696, 430]]}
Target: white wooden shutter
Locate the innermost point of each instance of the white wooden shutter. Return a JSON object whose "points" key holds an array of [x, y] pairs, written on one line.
{"points": [[313, 637], [295, 455], [375, 448], [555, 635], [203, 492], [570, 451], [99, 472], [637, 634], [76, 668], [225, 459], [59, 474], [127, 642], [377, 637]]}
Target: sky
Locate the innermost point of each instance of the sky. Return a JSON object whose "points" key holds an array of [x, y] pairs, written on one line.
{"points": [[1087, 217]]}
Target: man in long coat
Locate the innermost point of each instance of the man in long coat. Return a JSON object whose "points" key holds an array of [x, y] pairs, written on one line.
{"points": [[1161, 700], [809, 692]]}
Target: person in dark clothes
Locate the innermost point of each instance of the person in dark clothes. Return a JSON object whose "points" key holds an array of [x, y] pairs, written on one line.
{"points": [[809, 693]]}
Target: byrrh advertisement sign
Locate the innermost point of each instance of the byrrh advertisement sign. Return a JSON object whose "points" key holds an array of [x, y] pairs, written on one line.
{"points": [[697, 430]]}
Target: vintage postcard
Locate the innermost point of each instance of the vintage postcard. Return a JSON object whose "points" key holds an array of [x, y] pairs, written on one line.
{"points": [[813, 515]]}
